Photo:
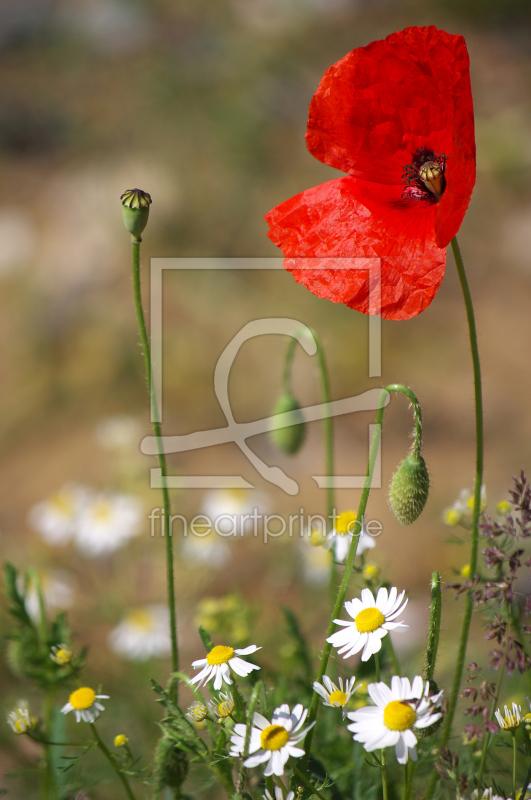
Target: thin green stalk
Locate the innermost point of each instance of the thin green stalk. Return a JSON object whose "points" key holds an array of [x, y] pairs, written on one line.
{"points": [[467, 616], [377, 667], [494, 703], [338, 605], [160, 455], [305, 780], [349, 564], [514, 766], [435, 626], [110, 759], [405, 791], [385, 791]]}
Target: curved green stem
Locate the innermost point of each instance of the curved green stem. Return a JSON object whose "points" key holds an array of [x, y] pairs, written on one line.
{"points": [[417, 411], [160, 454], [435, 627], [467, 616], [110, 759]]}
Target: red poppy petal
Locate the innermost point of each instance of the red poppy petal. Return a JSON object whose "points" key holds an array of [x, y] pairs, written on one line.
{"points": [[331, 221], [378, 100]]}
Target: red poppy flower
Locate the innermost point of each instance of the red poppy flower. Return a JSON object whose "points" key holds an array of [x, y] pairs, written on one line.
{"points": [[397, 117]]}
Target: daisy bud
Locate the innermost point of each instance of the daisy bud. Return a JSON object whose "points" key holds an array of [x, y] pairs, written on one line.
{"points": [[288, 439], [171, 766], [120, 740], [409, 489], [135, 212]]}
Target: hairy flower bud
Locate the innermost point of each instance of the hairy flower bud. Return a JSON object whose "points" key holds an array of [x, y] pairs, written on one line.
{"points": [[171, 765], [288, 439], [135, 212], [409, 489]]}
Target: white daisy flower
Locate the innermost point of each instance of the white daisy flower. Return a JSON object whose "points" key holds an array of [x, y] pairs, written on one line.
{"points": [[19, 719], [272, 742], [340, 536], [83, 703], [197, 711], [336, 696], [121, 432], [373, 619], [55, 519], [463, 507], [233, 509], [216, 665], [223, 706], [61, 654], [396, 711], [485, 794], [279, 794], [206, 551], [315, 559], [57, 592], [510, 720], [107, 523], [142, 634]]}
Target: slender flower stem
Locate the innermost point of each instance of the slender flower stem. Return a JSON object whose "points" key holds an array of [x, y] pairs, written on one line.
{"points": [[160, 455], [305, 780], [467, 616], [110, 759], [435, 627], [349, 564], [405, 791], [491, 715], [514, 765], [385, 791]]}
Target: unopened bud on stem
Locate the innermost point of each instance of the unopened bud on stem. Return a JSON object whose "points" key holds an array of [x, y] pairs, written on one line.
{"points": [[289, 439], [135, 212]]}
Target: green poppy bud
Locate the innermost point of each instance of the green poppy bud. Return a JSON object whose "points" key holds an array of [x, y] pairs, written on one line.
{"points": [[171, 765], [288, 439], [409, 489], [135, 212]]}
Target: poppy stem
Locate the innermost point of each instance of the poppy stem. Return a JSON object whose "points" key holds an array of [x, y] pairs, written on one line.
{"points": [[160, 455], [461, 655]]}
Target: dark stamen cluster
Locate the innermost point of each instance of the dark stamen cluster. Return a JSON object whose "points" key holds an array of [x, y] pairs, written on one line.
{"points": [[416, 189]]}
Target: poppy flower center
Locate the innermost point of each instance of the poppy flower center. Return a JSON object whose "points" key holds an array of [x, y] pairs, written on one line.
{"points": [[424, 176], [220, 655], [398, 716], [369, 620], [274, 737]]}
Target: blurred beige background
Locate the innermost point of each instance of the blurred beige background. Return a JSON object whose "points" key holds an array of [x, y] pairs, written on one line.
{"points": [[204, 105]]}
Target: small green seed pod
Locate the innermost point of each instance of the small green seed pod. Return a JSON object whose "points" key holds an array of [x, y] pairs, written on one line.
{"points": [[409, 489], [288, 439], [171, 766], [135, 212]]}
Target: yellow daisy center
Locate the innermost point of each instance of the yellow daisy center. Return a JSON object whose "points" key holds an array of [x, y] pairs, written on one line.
{"points": [[62, 655], [102, 512], [345, 522], [274, 737], [220, 655], [140, 619], [62, 504], [82, 698], [510, 722], [369, 620], [399, 716], [338, 697], [225, 708], [465, 571]]}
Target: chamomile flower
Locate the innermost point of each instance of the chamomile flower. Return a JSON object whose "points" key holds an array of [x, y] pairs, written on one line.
{"points": [[396, 711], [220, 661], [336, 696], [340, 536], [461, 511], [315, 559], [223, 706], [197, 712], [142, 634], [121, 740], [372, 620], [107, 523], [371, 572], [272, 743], [83, 702], [55, 519], [279, 794], [19, 719], [503, 508], [510, 719], [485, 794], [61, 654], [208, 550]]}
